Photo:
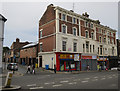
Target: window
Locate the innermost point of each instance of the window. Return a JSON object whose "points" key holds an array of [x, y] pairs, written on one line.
{"points": [[87, 46], [83, 47], [64, 45], [93, 48], [40, 33], [92, 35], [108, 33], [86, 24], [113, 51], [86, 34], [40, 47], [64, 29], [90, 48], [112, 41], [98, 50], [99, 30], [75, 31], [104, 32], [91, 25], [100, 39], [63, 17], [108, 40], [75, 47], [74, 20], [104, 40]]}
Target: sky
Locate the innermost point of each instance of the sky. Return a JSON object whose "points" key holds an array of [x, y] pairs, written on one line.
{"points": [[23, 17]]}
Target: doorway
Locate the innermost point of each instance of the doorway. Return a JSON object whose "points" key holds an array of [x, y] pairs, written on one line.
{"points": [[40, 61]]}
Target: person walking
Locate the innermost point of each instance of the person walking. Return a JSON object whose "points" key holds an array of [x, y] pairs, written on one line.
{"points": [[28, 69], [33, 69], [88, 68], [54, 68]]}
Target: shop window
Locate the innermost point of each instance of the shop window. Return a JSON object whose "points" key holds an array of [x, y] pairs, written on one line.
{"points": [[75, 47], [64, 45], [64, 29], [75, 31]]}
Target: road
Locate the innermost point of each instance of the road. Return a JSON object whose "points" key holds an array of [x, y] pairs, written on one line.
{"points": [[83, 80]]}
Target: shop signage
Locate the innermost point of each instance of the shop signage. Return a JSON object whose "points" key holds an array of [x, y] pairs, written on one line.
{"points": [[66, 56], [94, 57], [86, 57], [76, 57]]}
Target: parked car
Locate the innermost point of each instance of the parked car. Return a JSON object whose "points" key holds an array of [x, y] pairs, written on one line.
{"points": [[116, 68], [12, 66]]}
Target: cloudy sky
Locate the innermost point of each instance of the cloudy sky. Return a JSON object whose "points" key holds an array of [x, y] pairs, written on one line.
{"points": [[23, 17]]}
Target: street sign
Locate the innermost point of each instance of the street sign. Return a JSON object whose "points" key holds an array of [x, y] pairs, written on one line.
{"points": [[8, 79]]}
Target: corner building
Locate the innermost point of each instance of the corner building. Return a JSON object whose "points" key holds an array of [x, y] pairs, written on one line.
{"points": [[67, 38]]}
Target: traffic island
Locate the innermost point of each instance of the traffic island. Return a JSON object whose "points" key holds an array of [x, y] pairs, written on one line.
{"points": [[12, 87]]}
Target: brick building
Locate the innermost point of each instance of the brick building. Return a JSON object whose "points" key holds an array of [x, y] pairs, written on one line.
{"points": [[67, 38], [15, 50], [29, 54]]}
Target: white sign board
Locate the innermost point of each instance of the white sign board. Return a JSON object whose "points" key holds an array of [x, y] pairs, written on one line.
{"points": [[76, 57]]}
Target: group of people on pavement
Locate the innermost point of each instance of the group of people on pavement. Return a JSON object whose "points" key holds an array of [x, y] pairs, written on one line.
{"points": [[29, 69]]}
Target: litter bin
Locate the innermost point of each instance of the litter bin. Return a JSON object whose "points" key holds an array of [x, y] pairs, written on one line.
{"points": [[46, 67]]}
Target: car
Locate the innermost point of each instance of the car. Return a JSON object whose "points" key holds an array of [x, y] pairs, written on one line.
{"points": [[116, 68], [12, 66]]}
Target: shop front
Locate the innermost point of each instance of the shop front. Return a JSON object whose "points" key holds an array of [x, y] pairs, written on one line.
{"points": [[103, 62], [88, 60], [68, 61]]}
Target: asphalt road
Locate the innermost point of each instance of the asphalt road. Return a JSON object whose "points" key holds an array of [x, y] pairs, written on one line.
{"points": [[83, 80]]}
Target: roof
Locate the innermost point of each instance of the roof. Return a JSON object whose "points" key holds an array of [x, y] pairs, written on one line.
{"points": [[30, 45], [3, 18]]}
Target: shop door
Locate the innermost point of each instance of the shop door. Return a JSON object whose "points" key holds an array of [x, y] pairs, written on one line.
{"points": [[62, 66]]}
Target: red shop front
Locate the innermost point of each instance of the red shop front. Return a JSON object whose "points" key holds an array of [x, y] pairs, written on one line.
{"points": [[64, 60]]}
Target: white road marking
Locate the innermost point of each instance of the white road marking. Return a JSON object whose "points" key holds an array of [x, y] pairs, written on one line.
{"points": [[110, 77], [57, 85], [75, 80], [103, 78], [63, 81], [73, 83], [96, 77], [95, 80], [31, 85], [84, 81], [46, 83], [36, 88], [87, 78]]}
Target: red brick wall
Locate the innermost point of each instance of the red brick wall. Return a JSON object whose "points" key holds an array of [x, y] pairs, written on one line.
{"points": [[49, 43], [28, 52]]}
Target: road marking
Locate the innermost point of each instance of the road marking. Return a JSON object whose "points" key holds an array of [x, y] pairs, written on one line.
{"points": [[75, 80], [95, 80], [110, 77], [57, 85], [96, 77], [84, 81], [46, 83], [31, 85], [36, 88], [103, 78], [73, 83], [87, 78], [63, 81]]}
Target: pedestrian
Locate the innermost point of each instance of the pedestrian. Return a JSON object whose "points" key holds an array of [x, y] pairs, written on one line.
{"points": [[69, 67], [88, 68], [54, 68], [28, 69], [33, 69]]}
